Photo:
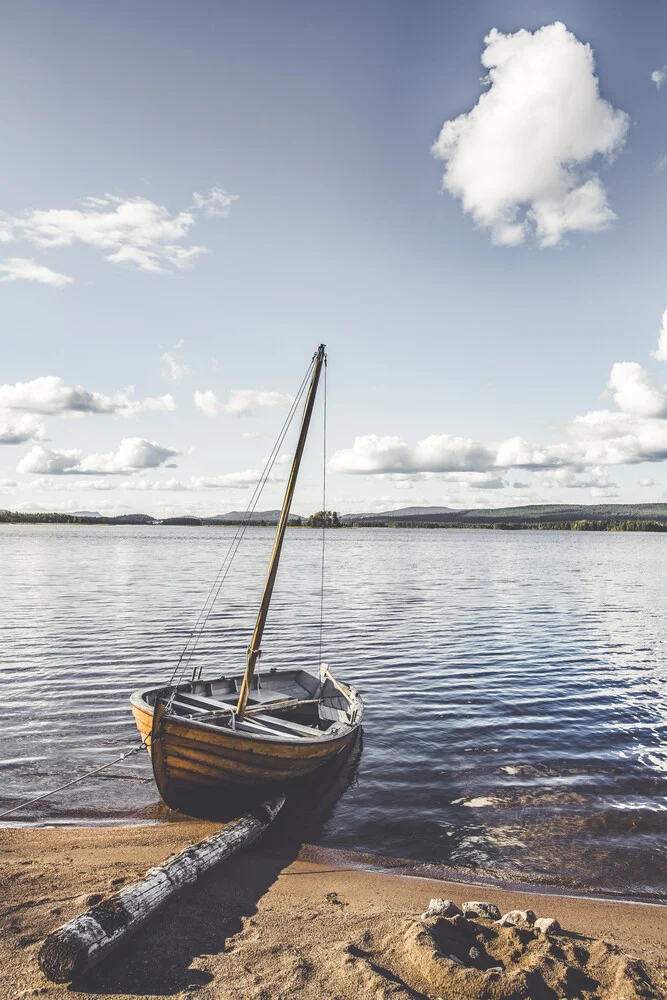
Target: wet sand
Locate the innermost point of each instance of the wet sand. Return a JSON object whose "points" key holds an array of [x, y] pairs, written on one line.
{"points": [[266, 928]]}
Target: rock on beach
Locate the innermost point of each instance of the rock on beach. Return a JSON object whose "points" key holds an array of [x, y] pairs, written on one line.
{"points": [[547, 925], [523, 919], [485, 911], [441, 908]]}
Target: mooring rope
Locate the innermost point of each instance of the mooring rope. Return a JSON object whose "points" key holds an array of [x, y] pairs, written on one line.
{"points": [[74, 781]]}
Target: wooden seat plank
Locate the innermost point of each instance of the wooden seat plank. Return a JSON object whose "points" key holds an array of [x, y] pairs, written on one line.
{"points": [[268, 720]]}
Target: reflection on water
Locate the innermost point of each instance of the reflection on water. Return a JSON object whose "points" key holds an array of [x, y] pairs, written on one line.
{"points": [[515, 683]]}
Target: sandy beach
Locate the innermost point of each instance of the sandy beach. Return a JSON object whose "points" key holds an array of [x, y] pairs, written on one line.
{"points": [[265, 928]]}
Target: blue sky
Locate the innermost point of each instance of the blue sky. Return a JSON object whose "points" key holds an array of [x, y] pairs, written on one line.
{"points": [[319, 119]]}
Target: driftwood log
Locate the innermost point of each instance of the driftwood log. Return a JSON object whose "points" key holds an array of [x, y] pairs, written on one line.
{"points": [[78, 945]]}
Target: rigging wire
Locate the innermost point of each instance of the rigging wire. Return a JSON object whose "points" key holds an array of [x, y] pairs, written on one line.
{"points": [[245, 525], [236, 539], [189, 648]]}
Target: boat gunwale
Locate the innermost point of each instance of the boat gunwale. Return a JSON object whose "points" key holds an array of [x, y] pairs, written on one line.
{"points": [[138, 700]]}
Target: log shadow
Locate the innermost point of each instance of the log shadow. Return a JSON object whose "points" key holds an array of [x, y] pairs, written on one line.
{"points": [[205, 916]]}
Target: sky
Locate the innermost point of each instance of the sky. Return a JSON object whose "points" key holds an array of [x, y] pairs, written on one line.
{"points": [[465, 202]]}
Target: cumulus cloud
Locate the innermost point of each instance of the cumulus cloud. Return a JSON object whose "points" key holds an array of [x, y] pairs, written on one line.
{"points": [[208, 403], [132, 455], [49, 394], [659, 76], [132, 231], [27, 269], [568, 479], [645, 481], [521, 158], [437, 453], [598, 438], [602, 437], [636, 432], [241, 402], [19, 430], [660, 353], [635, 391]]}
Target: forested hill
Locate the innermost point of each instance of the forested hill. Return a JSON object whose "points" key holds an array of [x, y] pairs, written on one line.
{"points": [[546, 515]]}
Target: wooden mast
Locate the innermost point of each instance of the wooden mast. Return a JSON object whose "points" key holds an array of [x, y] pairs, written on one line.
{"points": [[255, 643]]}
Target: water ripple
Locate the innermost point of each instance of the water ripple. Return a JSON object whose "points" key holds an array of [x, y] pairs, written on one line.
{"points": [[516, 683]]}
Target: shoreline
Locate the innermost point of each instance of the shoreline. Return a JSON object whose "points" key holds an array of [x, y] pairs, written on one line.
{"points": [[372, 864], [259, 922]]}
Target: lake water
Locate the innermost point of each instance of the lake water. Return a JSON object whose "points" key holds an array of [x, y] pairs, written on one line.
{"points": [[515, 682]]}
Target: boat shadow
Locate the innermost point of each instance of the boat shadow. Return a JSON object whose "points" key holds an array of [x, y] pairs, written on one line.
{"points": [[169, 955]]}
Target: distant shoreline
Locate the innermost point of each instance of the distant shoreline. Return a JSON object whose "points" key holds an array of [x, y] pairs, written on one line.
{"points": [[488, 524]]}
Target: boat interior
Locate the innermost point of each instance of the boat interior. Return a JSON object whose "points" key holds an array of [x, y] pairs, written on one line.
{"points": [[282, 704]]}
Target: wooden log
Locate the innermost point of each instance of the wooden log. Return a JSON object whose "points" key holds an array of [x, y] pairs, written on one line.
{"points": [[78, 945]]}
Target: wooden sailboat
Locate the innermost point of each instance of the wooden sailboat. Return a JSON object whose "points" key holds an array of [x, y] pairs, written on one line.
{"points": [[235, 731]]}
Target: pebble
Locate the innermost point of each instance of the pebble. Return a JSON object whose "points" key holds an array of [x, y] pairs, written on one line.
{"points": [[456, 961], [475, 954], [441, 908], [547, 925], [523, 919], [488, 911]]}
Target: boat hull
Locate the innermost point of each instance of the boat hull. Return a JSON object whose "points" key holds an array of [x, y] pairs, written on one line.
{"points": [[196, 759]]}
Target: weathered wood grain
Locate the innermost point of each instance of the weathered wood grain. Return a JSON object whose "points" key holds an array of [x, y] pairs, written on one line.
{"points": [[81, 943]]}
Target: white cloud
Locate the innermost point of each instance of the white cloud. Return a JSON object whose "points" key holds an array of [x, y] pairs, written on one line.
{"points": [[607, 492], [470, 480], [234, 480], [659, 76], [601, 437], [635, 391], [133, 231], [44, 461], [645, 481], [151, 404], [521, 158], [154, 485], [216, 203], [132, 455], [208, 403], [173, 368], [27, 269], [241, 402], [250, 435], [598, 438], [49, 394], [19, 430], [437, 453], [568, 479], [660, 353], [244, 402]]}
